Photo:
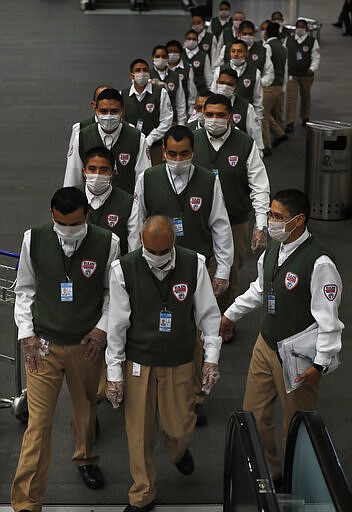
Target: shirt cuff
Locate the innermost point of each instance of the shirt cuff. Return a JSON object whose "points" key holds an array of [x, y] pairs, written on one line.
{"points": [[114, 373], [261, 221], [212, 347]]}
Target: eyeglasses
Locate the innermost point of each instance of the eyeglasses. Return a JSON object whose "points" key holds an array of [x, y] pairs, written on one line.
{"points": [[277, 216]]}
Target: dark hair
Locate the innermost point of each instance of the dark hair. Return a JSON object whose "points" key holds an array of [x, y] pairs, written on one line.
{"points": [[110, 94], [137, 61], [196, 11], [179, 133], [173, 42], [239, 41], [302, 20], [277, 12], [95, 95], [158, 47], [102, 152], [204, 94], [191, 31], [216, 99], [225, 2], [273, 29], [295, 201], [246, 24], [69, 199], [230, 72]]}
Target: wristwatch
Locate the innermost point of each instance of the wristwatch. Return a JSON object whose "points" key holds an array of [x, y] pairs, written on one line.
{"points": [[320, 368]]}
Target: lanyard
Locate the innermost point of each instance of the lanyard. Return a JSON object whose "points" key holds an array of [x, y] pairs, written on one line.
{"points": [[67, 269], [164, 296]]}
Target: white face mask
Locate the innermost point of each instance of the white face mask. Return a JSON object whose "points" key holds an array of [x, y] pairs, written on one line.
{"points": [[174, 58], [97, 183], [279, 22], [155, 261], [300, 32], [215, 127], [238, 62], [160, 63], [226, 90], [236, 23], [109, 122], [224, 14], [248, 39], [277, 230], [70, 234], [179, 167], [197, 28], [141, 79], [190, 44]]}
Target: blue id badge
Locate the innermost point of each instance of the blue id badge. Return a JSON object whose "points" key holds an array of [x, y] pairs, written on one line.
{"points": [[177, 221], [66, 289], [215, 172], [139, 125], [165, 321], [298, 55], [271, 304]]}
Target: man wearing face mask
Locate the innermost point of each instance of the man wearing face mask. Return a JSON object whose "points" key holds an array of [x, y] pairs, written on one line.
{"points": [[160, 295], [303, 57], [234, 157], [62, 297], [222, 21], [284, 32], [298, 287], [229, 35], [196, 121], [148, 108], [171, 81], [197, 59], [128, 144], [206, 40], [243, 114]]}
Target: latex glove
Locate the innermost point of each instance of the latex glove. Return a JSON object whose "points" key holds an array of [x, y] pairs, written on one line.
{"points": [[311, 377], [259, 239], [32, 349], [219, 286], [95, 341], [226, 328], [114, 392], [210, 372]]}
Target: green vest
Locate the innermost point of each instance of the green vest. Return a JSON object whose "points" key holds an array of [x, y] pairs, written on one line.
{"points": [[197, 63], [206, 43], [172, 81], [147, 110], [216, 28], [246, 82], [145, 344], [230, 164], [193, 125], [278, 57], [87, 122], [65, 323], [183, 75], [239, 113], [113, 215], [228, 36], [257, 55], [125, 152], [304, 51], [193, 205], [291, 285]]}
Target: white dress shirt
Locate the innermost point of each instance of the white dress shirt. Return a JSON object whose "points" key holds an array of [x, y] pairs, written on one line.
{"points": [[26, 288], [180, 99], [218, 223], [74, 165], [206, 316], [258, 181], [324, 311], [165, 112], [207, 72], [134, 222]]}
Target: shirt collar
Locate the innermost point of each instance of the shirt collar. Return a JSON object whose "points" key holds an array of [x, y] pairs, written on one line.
{"points": [[292, 246], [147, 88], [221, 139], [178, 65], [300, 39], [191, 53], [115, 134], [97, 201]]}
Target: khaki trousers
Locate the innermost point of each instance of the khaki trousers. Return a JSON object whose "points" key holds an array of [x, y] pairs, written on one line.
{"points": [[304, 85], [272, 96], [264, 384], [159, 393], [43, 389]]}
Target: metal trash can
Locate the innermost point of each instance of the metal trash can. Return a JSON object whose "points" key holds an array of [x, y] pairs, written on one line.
{"points": [[328, 178]]}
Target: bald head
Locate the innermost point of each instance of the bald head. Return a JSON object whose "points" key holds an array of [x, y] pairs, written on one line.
{"points": [[158, 234]]}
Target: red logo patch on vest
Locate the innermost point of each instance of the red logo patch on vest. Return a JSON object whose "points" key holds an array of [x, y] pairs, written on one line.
{"points": [[171, 86], [236, 118], [180, 291], [305, 48], [255, 56], [330, 291], [247, 82], [124, 158], [233, 160], [196, 63], [88, 267], [112, 219], [149, 107], [205, 47], [195, 203], [291, 280]]}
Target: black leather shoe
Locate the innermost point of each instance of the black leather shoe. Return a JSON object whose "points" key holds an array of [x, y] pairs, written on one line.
{"points": [[201, 415], [132, 508], [347, 34], [267, 152], [92, 476], [186, 464], [289, 128], [337, 24], [279, 141]]}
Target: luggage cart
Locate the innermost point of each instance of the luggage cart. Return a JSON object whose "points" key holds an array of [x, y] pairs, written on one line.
{"points": [[17, 403]]}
